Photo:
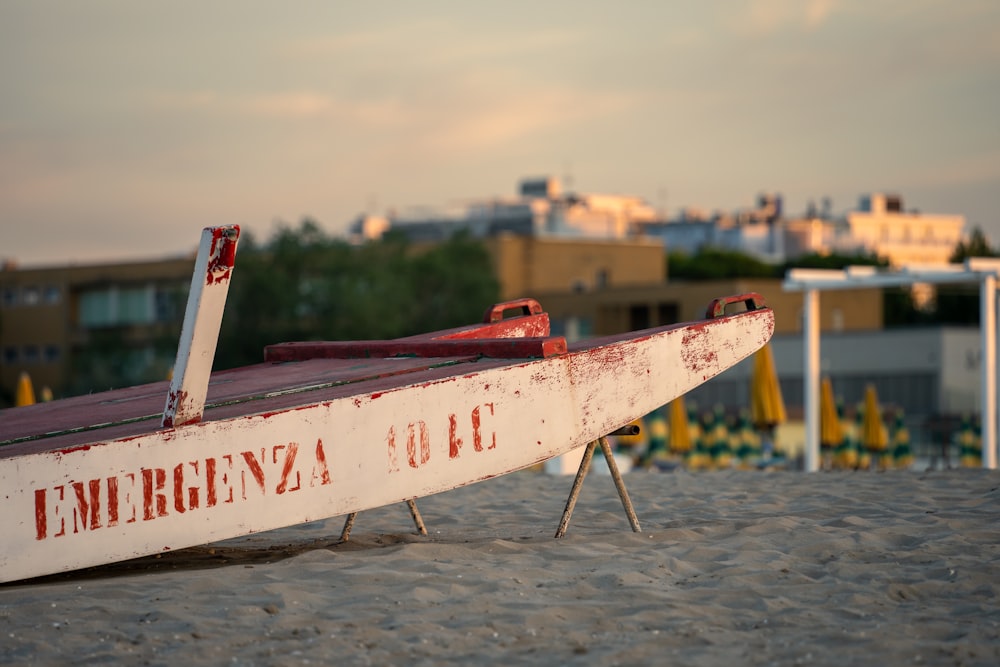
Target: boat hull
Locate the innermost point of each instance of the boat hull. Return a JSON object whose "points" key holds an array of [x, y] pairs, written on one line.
{"points": [[339, 448]]}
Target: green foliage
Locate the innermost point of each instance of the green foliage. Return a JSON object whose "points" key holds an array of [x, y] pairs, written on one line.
{"points": [[716, 264], [976, 246], [304, 285], [833, 261], [959, 304]]}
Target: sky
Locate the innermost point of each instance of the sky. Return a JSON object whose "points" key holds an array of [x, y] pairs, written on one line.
{"points": [[126, 127]]}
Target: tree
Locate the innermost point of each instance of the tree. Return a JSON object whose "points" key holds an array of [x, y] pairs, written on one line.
{"points": [[959, 304], [304, 285], [976, 246], [717, 264], [833, 261]]}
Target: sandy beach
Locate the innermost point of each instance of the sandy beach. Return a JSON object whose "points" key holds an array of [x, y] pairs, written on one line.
{"points": [[733, 567]]}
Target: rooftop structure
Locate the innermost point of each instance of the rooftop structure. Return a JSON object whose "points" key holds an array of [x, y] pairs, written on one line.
{"points": [[539, 209]]}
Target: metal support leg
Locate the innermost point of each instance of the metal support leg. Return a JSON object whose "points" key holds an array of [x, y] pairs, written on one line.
{"points": [[588, 454], [581, 473], [620, 485], [418, 521], [345, 534]]}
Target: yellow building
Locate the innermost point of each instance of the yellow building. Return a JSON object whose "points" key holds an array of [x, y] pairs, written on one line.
{"points": [[879, 226], [527, 265], [620, 309], [599, 287], [49, 315], [882, 226]]}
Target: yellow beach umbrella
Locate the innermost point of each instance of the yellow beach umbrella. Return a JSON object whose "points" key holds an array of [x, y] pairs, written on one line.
{"points": [[831, 431], [874, 436], [767, 408], [680, 429], [25, 391]]}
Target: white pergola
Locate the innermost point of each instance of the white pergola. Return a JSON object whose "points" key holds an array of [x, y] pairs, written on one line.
{"points": [[980, 270]]}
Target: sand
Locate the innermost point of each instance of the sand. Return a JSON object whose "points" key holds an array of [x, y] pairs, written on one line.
{"points": [[731, 568]]}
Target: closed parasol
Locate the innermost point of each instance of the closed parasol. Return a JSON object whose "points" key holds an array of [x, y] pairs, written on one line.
{"points": [[831, 432], [25, 391], [874, 436], [680, 429], [831, 429], [767, 408]]}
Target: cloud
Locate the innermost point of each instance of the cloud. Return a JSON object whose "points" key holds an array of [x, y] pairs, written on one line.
{"points": [[766, 17], [292, 105], [494, 121], [429, 42]]}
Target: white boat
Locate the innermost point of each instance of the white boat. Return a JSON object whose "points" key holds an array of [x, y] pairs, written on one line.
{"points": [[324, 429]]}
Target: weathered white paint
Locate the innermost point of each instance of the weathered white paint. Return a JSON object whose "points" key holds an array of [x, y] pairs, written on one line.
{"points": [[212, 480], [202, 320]]}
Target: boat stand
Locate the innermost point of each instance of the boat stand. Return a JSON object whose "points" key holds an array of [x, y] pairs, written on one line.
{"points": [[418, 521], [581, 473]]}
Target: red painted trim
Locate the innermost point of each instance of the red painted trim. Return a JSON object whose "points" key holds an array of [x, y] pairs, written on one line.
{"points": [[494, 348]]}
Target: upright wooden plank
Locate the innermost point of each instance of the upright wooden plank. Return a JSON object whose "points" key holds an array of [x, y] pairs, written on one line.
{"points": [[200, 332]]}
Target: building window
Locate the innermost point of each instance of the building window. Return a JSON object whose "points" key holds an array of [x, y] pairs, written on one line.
{"points": [[135, 306], [638, 317], [31, 354], [99, 308], [10, 354], [668, 313], [115, 306], [838, 319], [169, 304], [52, 295], [51, 353], [602, 279], [31, 296], [9, 297]]}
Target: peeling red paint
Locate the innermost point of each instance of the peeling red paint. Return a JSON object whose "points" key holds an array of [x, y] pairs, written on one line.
{"points": [[149, 493], [454, 442], [176, 400], [697, 352], [222, 254], [70, 450], [41, 515]]}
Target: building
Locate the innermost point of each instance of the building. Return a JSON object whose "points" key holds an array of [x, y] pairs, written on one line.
{"points": [[880, 226], [754, 231], [528, 265], [628, 308], [539, 209], [112, 323]]}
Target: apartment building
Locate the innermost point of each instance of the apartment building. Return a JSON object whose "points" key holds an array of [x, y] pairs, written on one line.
{"points": [[108, 323]]}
